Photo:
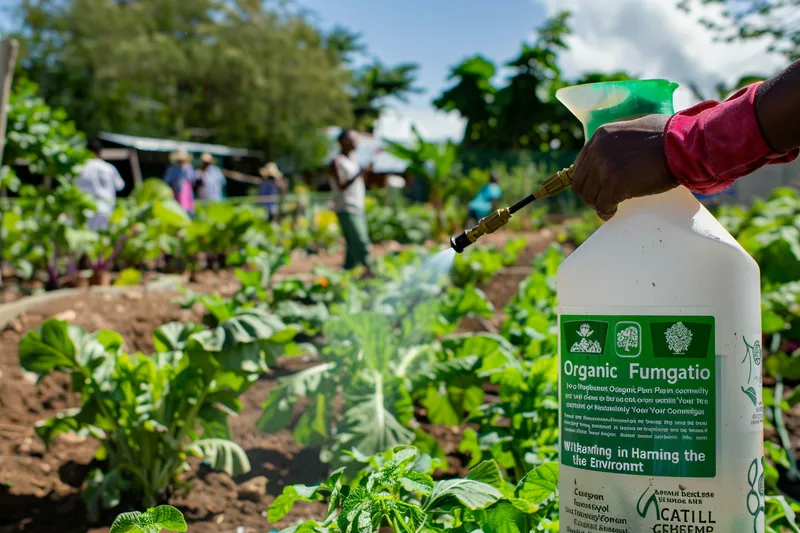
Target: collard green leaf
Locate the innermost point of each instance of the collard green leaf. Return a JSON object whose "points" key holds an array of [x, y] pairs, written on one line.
{"points": [[173, 336], [224, 455], [48, 348], [278, 407], [151, 521]]}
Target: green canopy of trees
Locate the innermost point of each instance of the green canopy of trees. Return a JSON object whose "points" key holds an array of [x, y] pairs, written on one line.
{"points": [[238, 72], [523, 114], [776, 21]]}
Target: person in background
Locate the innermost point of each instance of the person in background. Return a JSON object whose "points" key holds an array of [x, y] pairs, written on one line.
{"points": [[485, 201], [273, 187], [102, 181], [349, 196], [180, 176], [210, 179], [705, 148]]}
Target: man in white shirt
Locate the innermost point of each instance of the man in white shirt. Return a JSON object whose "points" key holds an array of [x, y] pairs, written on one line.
{"points": [[101, 180], [349, 194]]}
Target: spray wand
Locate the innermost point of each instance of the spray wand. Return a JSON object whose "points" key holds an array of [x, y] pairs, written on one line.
{"points": [[496, 220]]}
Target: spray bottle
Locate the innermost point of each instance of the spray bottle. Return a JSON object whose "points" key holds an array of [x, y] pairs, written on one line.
{"points": [[660, 359], [661, 414]]}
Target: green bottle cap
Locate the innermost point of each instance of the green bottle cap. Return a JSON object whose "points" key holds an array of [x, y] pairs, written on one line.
{"points": [[596, 104]]}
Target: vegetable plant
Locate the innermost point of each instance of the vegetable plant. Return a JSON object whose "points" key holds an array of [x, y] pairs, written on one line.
{"points": [[383, 361], [395, 490], [154, 520], [150, 413]]}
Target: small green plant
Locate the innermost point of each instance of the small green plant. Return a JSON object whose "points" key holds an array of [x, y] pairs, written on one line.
{"points": [[151, 521], [383, 361], [479, 264], [395, 490], [150, 413]]}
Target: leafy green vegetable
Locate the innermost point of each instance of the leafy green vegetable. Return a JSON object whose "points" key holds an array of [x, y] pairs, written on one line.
{"points": [[396, 490], [151, 521], [150, 412]]}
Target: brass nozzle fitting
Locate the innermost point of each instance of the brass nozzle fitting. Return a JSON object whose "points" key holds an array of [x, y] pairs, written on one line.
{"points": [[555, 183], [488, 224]]}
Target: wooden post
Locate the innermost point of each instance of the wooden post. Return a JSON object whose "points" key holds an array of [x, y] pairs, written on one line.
{"points": [[8, 59]]}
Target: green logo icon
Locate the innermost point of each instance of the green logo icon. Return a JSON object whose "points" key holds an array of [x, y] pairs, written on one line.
{"points": [[628, 339], [651, 501]]}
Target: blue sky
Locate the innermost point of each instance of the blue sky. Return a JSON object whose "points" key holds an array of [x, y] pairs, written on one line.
{"points": [[646, 38], [437, 34]]}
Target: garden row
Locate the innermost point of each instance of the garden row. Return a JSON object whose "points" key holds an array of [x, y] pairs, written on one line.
{"points": [[389, 369]]}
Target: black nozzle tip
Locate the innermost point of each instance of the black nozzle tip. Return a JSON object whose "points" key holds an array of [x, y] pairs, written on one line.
{"points": [[460, 242]]}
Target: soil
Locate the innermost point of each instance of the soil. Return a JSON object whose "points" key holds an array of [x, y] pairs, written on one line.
{"points": [[40, 489]]}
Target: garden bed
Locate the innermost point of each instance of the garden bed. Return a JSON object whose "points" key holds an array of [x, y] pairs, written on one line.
{"points": [[39, 489]]}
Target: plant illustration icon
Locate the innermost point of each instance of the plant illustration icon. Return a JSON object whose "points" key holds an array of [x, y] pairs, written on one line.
{"points": [[628, 338], [586, 344], [679, 337]]}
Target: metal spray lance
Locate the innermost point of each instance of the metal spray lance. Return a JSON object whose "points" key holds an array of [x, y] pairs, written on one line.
{"points": [[496, 220]]}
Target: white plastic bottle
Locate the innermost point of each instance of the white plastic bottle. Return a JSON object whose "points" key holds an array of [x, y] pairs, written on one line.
{"points": [[660, 372]]}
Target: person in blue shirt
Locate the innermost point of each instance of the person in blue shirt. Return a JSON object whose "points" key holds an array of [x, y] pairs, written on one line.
{"points": [[485, 201], [272, 188]]}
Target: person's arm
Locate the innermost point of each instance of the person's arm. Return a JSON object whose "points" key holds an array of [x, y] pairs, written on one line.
{"points": [[778, 109], [705, 148], [119, 183]]}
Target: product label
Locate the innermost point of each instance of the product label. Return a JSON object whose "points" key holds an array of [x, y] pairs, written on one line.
{"points": [[638, 395]]}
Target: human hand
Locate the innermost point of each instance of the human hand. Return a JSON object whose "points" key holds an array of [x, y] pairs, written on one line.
{"points": [[623, 160]]}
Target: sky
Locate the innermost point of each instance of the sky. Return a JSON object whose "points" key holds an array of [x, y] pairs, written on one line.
{"points": [[646, 38]]}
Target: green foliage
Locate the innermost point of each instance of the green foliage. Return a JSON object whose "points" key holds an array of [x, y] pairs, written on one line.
{"points": [[40, 135], [479, 264], [396, 490], [408, 225], [384, 359], [151, 521], [374, 84], [227, 76], [755, 19], [150, 412]]}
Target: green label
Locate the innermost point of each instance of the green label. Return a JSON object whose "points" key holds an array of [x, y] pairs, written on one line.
{"points": [[638, 395]]}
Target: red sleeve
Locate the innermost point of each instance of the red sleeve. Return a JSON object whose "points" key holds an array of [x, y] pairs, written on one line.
{"points": [[711, 145]]}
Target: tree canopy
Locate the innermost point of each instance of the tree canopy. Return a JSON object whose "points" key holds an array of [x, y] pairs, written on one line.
{"points": [[239, 72], [777, 21], [523, 113]]}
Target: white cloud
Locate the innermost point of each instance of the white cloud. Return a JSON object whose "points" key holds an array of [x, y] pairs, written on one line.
{"points": [[433, 125], [653, 39]]}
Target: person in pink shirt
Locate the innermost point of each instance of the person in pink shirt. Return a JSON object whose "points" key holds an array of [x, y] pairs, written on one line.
{"points": [[704, 148], [180, 176]]}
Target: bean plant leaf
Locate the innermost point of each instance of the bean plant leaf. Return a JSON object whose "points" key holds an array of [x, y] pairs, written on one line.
{"points": [[291, 494], [539, 484], [470, 493], [489, 472], [224, 455]]}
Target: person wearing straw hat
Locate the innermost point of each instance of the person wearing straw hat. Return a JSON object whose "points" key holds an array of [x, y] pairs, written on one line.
{"points": [[180, 177], [209, 178], [349, 195], [273, 187]]}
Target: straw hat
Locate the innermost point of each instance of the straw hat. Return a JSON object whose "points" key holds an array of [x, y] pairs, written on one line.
{"points": [[181, 156], [207, 158], [270, 170]]}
